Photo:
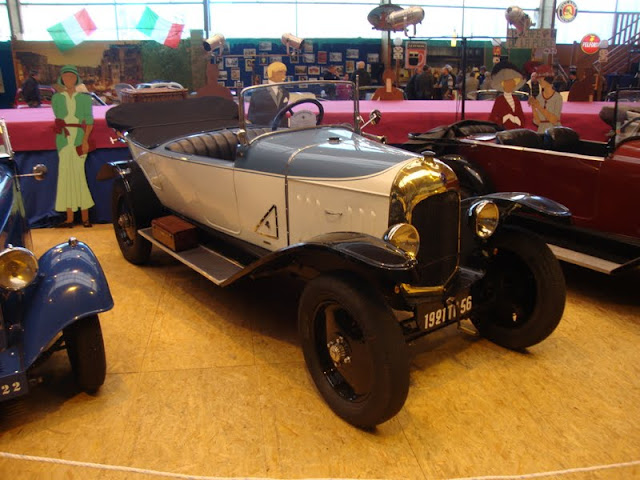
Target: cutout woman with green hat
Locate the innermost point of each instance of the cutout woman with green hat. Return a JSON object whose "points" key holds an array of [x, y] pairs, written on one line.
{"points": [[73, 125]]}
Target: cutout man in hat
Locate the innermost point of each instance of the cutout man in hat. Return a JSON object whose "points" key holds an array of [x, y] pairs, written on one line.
{"points": [[507, 110]]}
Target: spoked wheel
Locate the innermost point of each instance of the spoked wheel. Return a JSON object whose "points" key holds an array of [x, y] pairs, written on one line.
{"points": [[354, 349], [523, 292], [134, 248], [85, 348]]}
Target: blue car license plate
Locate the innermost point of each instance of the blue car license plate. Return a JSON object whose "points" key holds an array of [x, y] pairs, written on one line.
{"points": [[13, 386], [455, 309]]}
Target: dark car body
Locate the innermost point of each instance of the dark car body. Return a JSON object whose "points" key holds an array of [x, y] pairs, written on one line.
{"points": [[596, 181], [46, 304], [46, 92], [371, 229]]}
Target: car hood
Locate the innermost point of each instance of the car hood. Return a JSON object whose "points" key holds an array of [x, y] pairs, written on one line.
{"points": [[321, 153]]}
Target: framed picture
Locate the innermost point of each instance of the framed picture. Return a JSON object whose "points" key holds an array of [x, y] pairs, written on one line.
{"points": [[309, 58], [313, 70], [248, 64], [351, 66], [303, 78], [373, 58], [235, 74], [265, 46], [223, 75], [301, 70], [322, 57], [353, 53], [293, 58], [264, 60], [231, 62], [249, 52], [335, 56], [308, 47], [275, 58], [239, 84], [265, 75]]}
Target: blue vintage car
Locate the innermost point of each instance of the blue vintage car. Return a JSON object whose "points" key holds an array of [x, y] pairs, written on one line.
{"points": [[387, 249], [46, 304]]}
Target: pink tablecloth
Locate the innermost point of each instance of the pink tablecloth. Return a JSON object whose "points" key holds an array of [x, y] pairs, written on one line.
{"points": [[31, 128]]}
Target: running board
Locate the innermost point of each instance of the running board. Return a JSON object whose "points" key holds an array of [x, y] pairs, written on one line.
{"points": [[207, 262], [585, 260]]}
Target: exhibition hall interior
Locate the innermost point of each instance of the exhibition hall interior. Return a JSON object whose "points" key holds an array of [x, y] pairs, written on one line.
{"points": [[307, 239]]}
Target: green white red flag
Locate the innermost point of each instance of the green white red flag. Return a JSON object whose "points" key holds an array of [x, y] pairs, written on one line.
{"points": [[158, 29], [73, 30]]}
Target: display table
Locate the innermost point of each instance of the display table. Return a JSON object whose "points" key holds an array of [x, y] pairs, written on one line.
{"points": [[33, 140]]}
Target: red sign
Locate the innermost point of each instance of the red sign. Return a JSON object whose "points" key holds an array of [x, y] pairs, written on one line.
{"points": [[590, 44]]}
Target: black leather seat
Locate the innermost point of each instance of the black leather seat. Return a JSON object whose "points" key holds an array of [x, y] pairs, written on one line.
{"points": [[220, 144], [561, 139], [521, 137]]}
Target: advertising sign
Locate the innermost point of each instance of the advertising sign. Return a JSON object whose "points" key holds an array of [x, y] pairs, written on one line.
{"points": [[533, 38], [590, 43], [567, 11], [416, 55]]}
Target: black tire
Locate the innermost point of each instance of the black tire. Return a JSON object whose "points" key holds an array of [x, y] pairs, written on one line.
{"points": [[126, 223], [521, 299], [85, 348], [344, 312]]}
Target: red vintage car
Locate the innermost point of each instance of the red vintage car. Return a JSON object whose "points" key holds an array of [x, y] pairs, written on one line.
{"points": [[598, 182]]}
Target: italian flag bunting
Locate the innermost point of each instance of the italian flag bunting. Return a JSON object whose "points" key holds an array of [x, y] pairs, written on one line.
{"points": [[72, 31], [159, 29]]}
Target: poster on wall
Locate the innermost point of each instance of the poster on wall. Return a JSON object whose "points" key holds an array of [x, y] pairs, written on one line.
{"points": [[416, 55], [373, 58], [335, 56], [353, 53], [301, 70], [308, 46], [275, 58], [309, 58], [248, 64], [293, 58], [322, 57], [231, 62], [314, 70], [235, 74], [223, 75], [350, 66], [249, 52], [264, 46]]}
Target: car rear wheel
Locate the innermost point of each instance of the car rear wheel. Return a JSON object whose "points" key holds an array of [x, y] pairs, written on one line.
{"points": [[354, 349], [85, 348], [126, 223], [522, 295]]}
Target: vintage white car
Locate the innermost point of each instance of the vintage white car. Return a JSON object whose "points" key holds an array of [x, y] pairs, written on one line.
{"points": [[380, 236]]}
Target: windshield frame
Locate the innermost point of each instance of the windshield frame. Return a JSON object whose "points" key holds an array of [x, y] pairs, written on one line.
{"points": [[242, 110]]}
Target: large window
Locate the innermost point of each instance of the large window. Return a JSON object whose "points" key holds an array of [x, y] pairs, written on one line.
{"points": [[117, 20]]}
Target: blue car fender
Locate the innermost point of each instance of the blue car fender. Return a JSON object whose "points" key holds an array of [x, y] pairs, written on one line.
{"points": [[71, 285]]}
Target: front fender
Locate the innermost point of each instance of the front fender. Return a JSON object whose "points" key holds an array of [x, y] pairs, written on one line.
{"points": [[71, 286], [512, 202], [357, 252]]}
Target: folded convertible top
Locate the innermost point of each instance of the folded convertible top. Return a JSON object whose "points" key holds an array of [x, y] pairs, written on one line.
{"points": [[152, 123]]}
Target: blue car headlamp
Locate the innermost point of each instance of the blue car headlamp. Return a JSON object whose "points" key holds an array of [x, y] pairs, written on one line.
{"points": [[18, 268], [485, 216], [405, 237]]}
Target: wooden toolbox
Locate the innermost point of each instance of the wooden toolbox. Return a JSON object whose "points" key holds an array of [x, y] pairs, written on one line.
{"points": [[174, 232], [144, 95]]}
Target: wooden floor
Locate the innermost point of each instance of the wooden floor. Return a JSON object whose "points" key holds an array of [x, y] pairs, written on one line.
{"points": [[210, 382]]}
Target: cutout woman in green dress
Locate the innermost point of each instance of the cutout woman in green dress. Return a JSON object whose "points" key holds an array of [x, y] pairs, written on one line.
{"points": [[73, 125]]}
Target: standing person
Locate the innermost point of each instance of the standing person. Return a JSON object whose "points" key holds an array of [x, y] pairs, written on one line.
{"points": [[482, 71], [446, 83], [265, 103], [31, 90], [424, 84], [532, 87], [331, 74], [73, 125], [471, 85], [547, 106], [361, 71], [507, 110], [410, 89]]}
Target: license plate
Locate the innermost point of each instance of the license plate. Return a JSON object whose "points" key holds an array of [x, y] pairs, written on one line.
{"points": [[13, 386], [456, 308]]}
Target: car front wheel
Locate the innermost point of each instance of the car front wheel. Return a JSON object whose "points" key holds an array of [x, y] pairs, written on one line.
{"points": [[354, 349], [126, 223], [85, 348], [522, 296]]}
